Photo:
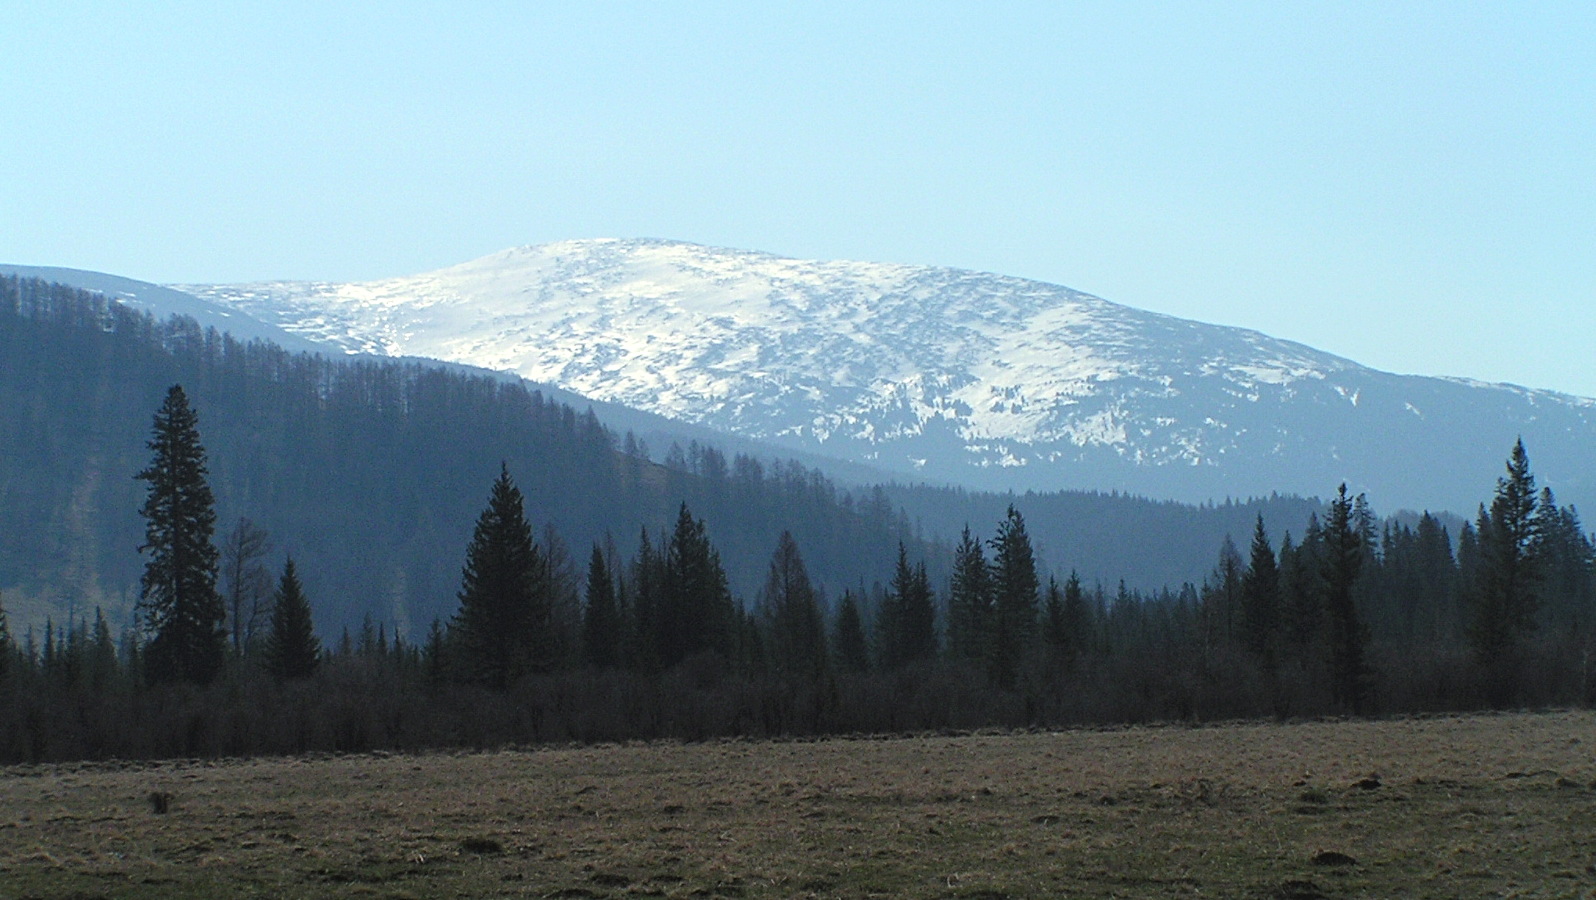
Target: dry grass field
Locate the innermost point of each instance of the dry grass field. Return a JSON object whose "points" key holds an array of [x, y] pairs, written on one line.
{"points": [[1482, 806]]}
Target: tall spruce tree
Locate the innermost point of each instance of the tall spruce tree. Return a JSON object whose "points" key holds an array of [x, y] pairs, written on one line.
{"points": [[969, 601], [1567, 563], [1302, 589], [697, 614], [1509, 534], [1055, 634], [1345, 550], [292, 649], [181, 611], [1260, 598], [601, 619], [797, 638], [1015, 599], [908, 617], [1077, 617], [850, 646], [505, 603], [647, 651]]}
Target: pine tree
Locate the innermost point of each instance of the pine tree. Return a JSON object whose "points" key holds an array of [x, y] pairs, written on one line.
{"points": [[852, 650], [1055, 633], [1077, 616], [504, 616], [1567, 564], [292, 649], [1436, 577], [647, 597], [1015, 589], [1345, 550], [601, 625], [1503, 595], [697, 615], [1260, 598], [435, 656], [908, 623], [797, 642], [1302, 588], [102, 664], [969, 600], [1222, 597], [181, 610]]}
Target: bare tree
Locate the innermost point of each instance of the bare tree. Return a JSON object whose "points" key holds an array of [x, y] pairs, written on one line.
{"points": [[246, 581]]}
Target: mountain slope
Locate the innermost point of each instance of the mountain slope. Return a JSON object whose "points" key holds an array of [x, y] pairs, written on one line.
{"points": [[369, 473], [164, 301], [945, 375]]}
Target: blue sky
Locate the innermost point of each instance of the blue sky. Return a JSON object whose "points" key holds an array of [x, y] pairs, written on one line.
{"points": [[1409, 185]]}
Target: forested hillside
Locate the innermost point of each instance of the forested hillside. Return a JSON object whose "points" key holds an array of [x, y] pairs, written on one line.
{"points": [[369, 473]]}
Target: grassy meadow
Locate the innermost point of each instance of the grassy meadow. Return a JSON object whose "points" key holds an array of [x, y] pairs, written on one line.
{"points": [[1477, 806]]}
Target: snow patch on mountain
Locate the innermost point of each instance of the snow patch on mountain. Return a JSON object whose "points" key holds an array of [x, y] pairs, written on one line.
{"points": [[769, 346], [934, 372]]}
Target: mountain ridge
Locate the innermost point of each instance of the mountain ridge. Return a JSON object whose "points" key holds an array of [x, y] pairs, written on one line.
{"points": [[944, 375]]}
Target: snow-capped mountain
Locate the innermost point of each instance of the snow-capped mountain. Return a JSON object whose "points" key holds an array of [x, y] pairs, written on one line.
{"points": [[943, 374]]}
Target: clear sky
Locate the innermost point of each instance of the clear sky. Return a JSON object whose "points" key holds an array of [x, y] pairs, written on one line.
{"points": [[1412, 185]]}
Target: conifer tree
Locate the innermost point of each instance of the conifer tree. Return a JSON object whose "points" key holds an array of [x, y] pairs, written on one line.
{"points": [[908, 617], [292, 649], [1066, 621], [647, 596], [102, 665], [697, 614], [1509, 543], [852, 650], [1345, 549], [1077, 615], [181, 610], [1015, 588], [969, 600], [1567, 563], [1260, 598], [1302, 588], [1436, 577], [797, 643], [1222, 596], [435, 655], [1054, 633], [601, 625], [505, 603]]}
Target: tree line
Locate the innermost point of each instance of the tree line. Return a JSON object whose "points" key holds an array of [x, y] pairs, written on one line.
{"points": [[1355, 617]]}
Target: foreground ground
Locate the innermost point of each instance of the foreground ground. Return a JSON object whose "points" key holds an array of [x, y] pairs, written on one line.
{"points": [[1449, 807]]}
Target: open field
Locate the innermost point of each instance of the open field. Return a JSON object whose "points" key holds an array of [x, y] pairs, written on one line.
{"points": [[1501, 805]]}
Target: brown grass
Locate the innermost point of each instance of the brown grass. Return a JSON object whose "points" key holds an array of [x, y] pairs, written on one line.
{"points": [[1446, 807]]}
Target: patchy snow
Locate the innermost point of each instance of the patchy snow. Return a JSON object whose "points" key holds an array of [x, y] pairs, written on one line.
{"points": [[998, 371]]}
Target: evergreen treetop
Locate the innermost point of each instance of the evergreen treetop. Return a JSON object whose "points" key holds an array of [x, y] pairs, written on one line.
{"points": [[601, 620], [504, 617], [292, 649], [1015, 598], [181, 610]]}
